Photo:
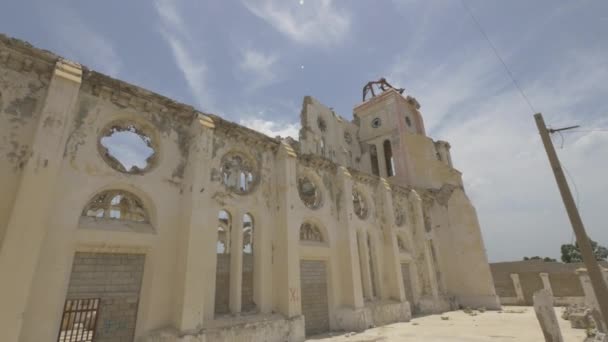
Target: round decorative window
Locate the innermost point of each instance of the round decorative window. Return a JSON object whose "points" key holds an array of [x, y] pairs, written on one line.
{"points": [[359, 205], [239, 173], [408, 121], [376, 122], [127, 147], [309, 192], [348, 138], [322, 124]]}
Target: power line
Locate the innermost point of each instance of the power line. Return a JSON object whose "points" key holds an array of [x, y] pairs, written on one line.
{"points": [[480, 28]]}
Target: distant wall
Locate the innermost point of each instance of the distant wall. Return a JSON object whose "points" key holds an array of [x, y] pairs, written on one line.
{"points": [[565, 284]]}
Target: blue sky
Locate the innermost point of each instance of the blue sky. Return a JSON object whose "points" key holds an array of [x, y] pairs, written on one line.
{"points": [[253, 61]]}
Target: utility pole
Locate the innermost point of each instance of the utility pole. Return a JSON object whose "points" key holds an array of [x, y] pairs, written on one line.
{"points": [[597, 281]]}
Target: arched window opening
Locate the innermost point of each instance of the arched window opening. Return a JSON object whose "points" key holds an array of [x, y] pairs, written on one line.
{"points": [[118, 205], [247, 281], [222, 269], [388, 158], [373, 152], [310, 232]]}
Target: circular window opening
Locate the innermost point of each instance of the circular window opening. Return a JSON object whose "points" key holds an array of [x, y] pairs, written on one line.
{"points": [[239, 174], [359, 205], [309, 193], [322, 124], [128, 148], [376, 123], [408, 121]]}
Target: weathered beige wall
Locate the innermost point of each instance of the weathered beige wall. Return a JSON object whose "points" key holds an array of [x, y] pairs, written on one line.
{"points": [[22, 91], [565, 283], [183, 194]]}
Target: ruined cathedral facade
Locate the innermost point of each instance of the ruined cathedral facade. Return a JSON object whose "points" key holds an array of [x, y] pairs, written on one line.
{"points": [[126, 216]]}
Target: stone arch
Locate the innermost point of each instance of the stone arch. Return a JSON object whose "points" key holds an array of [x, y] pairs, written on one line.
{"points": [[117, 204]]}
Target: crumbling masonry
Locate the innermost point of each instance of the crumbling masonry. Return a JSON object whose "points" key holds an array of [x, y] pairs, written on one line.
{"points": [[126, 216]]}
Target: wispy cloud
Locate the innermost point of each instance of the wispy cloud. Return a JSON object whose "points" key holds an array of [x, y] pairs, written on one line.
{"points": [[75, 39], [189, 60], [471, 103], [260, 67], [316, 22], [272, 128]]}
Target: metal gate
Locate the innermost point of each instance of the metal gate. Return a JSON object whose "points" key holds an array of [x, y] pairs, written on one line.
{"points": [[313, 279], [79, 320]]}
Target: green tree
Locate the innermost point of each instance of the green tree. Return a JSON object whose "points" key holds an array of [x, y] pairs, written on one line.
{"points": [[571, 252], [545, 259]]}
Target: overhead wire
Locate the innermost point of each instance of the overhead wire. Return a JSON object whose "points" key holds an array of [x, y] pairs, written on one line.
{"points": [[504, 64]]}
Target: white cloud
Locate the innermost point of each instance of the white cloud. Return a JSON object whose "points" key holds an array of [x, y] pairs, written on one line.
{"points": [[271, 128], [312, 23], [471, 103], [261, 67], [189, 61], [75, 39]]}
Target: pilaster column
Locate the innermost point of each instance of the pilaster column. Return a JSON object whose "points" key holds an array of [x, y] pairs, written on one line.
{"points": [[431, 265], [364, 260], [197, 236], [519, 292], [546, 283], [347, 246], [392, 266], [29, 218], [286, 257]]}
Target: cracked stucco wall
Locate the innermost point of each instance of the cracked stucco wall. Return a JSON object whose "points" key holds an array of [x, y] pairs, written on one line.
{"points": [[21, 96]]}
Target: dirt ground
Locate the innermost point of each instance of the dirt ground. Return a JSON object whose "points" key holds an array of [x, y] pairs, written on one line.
{"points": [[513, 323]]}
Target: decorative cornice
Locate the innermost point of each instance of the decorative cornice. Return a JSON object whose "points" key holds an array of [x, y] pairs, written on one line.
{"points": [[363, 177], [345, 171], [385, 183], [206, 121], [288, 149], [317, 162], [68, 70], [126, 95], [21, 56], [243, 134]]}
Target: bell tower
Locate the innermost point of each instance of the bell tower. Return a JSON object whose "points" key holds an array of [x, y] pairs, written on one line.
{"points": [[384, 121]]}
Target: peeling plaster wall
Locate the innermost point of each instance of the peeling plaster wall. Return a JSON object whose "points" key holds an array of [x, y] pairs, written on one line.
{"points": [[465, 268], [338, 143], [183, 192], [21, 95]]}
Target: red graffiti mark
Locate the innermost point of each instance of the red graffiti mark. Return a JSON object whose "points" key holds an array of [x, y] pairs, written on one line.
{"points": [[293, 295]]}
